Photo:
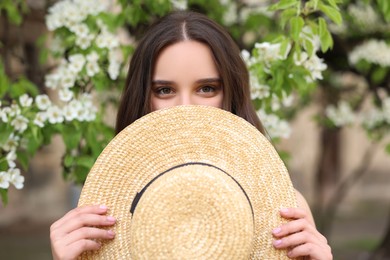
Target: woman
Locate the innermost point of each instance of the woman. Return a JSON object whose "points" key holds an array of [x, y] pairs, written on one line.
{"points": [[185, 59]]}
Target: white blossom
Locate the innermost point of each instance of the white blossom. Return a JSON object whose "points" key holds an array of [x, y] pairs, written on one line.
{"points": [[287, 101], [65, 95], [4, 114], [80, 30], [16, 178], [246, 56], [92, 57], [373, 51], [230, 16], [52, 80], [106, 40], [54, 115], [20, 123], [68, 78], [12, 143], [25, 100], [40, 119], [315, 65], [84, 41], [113, 70], [14, 110], [268, 52], [43, 102], [275, 126], [76, 63], [70, 112], [4, 180], [341, 115], [179, 4], [11, 158], [365, 16], [372, 118], [92, 68], [300, 59], [314, 39]]}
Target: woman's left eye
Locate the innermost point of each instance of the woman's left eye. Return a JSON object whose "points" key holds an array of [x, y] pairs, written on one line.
{"points": [[207, 89]]}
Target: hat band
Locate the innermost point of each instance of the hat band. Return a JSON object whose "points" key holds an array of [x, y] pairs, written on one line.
{"points": [[139, 194]]}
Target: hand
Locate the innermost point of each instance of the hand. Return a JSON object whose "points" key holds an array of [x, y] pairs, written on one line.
{"points": [[74, 233], [300, 237]]}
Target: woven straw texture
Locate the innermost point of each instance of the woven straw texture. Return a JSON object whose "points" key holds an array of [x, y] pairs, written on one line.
{"points": [[171, 137]]}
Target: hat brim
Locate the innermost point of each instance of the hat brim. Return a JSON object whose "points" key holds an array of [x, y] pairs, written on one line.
{"points": [[185, 134]]}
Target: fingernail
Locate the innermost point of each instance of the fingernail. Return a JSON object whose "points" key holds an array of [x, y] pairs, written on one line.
{"points": [[276, 230], [277, 242], [284, 210], [110, 219], [103, 206], [111, 233]]}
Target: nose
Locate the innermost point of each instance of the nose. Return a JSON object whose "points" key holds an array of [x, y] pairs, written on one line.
{"points": [[186, 99]]}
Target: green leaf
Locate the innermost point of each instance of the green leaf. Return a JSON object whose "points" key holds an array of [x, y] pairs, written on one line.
{"points": [[68, 160], [333, 4], [13, 14], [4, 196], [378, 74], [23, 86], [5, 132], [296, 25], [23, 159], [286, 15], [384, 7], [325, 37], [331, 12], [387, 149], [71, 136], [283, 4], [4, 82]]}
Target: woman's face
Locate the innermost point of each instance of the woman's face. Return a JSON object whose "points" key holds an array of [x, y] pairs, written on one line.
{"points": [[185, 74]]}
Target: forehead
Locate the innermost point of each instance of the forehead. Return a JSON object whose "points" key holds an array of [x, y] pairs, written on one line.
{"points": [[185, 58]]}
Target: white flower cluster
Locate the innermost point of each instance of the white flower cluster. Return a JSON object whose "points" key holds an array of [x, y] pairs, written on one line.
{"points": [[373, 51], [179, 4], [341, 115], [365, 17], [13, 115], [270, 52], [377, 116], [311, 62], [275, 126], [70, 13]]}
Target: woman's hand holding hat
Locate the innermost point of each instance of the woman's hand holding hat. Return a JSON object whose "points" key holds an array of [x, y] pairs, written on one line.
{"points": [[78, 231], [300, 236]]}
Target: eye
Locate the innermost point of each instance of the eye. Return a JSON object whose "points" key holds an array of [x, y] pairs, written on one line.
{"points": [[164, 91], [207, 89]]}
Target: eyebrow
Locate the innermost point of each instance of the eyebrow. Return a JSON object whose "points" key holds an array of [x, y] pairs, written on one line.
{"points": [[200, 81]]}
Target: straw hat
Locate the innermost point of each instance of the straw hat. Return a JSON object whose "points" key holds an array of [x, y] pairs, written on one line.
{"points": [[190, 182]]}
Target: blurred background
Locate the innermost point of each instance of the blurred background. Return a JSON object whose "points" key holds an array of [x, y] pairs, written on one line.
{"points": [[330, 121]]}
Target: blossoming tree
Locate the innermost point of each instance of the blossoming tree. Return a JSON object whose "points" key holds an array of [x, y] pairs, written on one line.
{"points": [[292, 48]]}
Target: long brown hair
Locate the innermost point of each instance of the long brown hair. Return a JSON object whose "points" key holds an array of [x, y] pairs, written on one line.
{"points": [[173, 28]]}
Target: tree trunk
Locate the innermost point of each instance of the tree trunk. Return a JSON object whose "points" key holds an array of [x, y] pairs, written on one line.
{"points": [[382, 252], [328, 173]]}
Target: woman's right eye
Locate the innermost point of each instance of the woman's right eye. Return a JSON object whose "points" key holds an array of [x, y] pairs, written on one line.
{"points": [[164, 91]]}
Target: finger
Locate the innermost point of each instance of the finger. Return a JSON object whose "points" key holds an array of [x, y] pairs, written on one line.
{"points": [[94, 209], [293, 226], [295, 240], [312, 250], [88, 233], [82, 220], [293, 213], [77, 248]]}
